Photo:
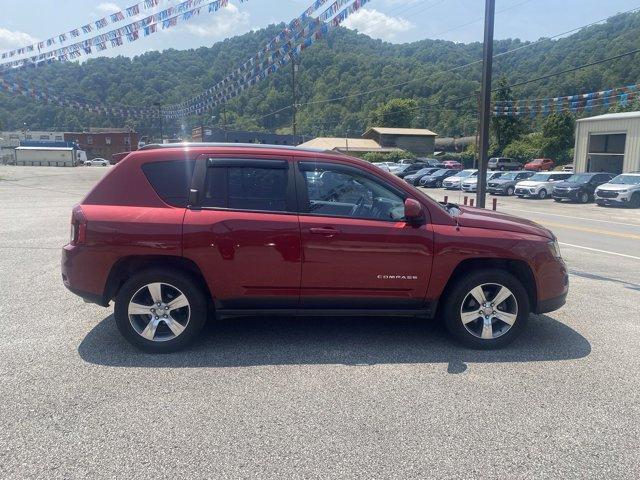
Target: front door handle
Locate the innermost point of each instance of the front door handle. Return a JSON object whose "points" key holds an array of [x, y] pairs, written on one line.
{"points": [[326, 231]]}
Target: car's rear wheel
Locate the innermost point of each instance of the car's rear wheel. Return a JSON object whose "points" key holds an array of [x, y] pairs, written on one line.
{"points": [[160, 312], [542, 194], [486, 309], [438, 183]]}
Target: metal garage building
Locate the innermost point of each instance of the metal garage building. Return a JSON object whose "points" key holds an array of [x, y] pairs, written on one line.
{"points": [[609, 143]]}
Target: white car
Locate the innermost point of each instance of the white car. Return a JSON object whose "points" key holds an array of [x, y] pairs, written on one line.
{"points": [[454, 183], [471, 183], [100, 162], [540, 185], [386, 166], [622, 190]]}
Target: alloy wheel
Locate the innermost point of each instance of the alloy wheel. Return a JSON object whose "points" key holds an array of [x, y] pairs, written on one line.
{"points": [[489, 311], [159, 312]]}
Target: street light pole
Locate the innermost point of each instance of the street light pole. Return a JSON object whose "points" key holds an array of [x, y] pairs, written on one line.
{"points": [[485, 102], [294, 69]]}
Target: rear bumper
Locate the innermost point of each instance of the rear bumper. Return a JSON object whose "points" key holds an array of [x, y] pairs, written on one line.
{"points": [[84, 273]]}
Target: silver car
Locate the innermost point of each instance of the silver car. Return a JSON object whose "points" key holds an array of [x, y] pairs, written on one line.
{"points": [[471, 183], [454, 183]]}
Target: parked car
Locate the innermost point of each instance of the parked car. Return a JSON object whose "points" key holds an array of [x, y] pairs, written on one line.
{"points": [[580, 187], [436, 179], [100, 162], [414, 178], [178, 232], [621, 190], [504, 163], [568, 167], [412, 168], [452, 164], [540, 165], [470, 184], [540, 185], [454, 182], [506, 184], [383, 166], [432, 162]]}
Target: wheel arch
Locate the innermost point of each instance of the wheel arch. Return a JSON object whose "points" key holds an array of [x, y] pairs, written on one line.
{"points": [[518, 268], [127, 266]]}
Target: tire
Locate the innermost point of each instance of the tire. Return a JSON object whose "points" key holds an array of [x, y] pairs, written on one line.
{"points": [[559, 200], [583, 197], [457, 302], [510, 191], [542, 194], [187, 320], [635, 200], [438, 184]]}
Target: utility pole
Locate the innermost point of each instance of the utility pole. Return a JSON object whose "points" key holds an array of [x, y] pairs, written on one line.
{"points": [[224, 119], [485, 106], [159, 105], [294, 70]]}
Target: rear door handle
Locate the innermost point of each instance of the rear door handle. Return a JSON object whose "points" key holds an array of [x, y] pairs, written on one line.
{"points": [[326, 231]]}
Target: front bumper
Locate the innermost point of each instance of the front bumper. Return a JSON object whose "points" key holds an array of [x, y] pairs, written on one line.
{"points": [[551, 304], [565, 194], [525, 192]]}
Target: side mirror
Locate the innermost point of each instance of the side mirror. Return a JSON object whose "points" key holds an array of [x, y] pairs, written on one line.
{"points": [[413, 213]]}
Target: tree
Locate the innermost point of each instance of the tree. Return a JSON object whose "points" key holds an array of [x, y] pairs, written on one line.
{"points": [[504, 129], [527, 147], [397, 112], [559, 135]]}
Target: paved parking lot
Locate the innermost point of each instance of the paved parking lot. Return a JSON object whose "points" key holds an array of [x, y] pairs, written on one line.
{"points": [[315, 398]]}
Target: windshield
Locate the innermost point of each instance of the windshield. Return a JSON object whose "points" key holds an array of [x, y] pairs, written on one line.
{"points": [[509, 176], [580, 178], [424, 171], [627, 180], [440, 173], [537, 161], [465, 173], [540, 177], [494, 175]]}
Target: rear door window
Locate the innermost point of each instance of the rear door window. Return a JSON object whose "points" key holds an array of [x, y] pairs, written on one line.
{"points": [[171, 180], [246, 187]]}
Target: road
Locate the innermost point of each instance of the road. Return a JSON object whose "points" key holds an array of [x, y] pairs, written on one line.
{"points": [[314, 398]]}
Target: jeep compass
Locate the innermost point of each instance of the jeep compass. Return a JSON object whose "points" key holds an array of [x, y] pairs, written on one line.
{"points": [[175, 234]]}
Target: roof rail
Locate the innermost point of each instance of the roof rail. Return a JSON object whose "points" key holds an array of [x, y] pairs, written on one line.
{"points": [[155, 146]]}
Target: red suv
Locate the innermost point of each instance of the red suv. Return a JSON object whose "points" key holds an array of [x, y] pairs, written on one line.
{"points": [[540, 165], [174, 233]]}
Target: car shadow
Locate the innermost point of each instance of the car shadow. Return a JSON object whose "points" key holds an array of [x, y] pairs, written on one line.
{"points": [[254, 341], [593, 276]]}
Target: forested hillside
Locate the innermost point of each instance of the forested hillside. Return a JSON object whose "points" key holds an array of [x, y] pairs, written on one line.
{"points": [[346, 64]]}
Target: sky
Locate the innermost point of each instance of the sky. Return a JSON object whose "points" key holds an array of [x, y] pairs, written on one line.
{"points": [[26, 21]]}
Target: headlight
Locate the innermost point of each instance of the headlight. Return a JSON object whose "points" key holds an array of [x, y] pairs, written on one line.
{"points": [[555, 249], [623, 191]]}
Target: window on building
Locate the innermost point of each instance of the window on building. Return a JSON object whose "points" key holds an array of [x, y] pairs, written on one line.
{"points": [[89, 140], [59, 138], [127, 141], [107, 140], [45, 137]]}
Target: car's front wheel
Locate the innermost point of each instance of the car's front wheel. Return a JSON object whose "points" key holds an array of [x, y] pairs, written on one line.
{"points": [[160, 312], [635, 201], [542, 194], [510, 191], [583, 197], [486, 309]]}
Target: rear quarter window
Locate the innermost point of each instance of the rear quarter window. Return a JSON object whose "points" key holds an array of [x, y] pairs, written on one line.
{"points": [[171, 180]]}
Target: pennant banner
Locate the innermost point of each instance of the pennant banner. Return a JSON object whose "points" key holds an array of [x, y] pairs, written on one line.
{"points": [[228, 88], [116, 17], [45, 97], [584, 102], [166, 18]]}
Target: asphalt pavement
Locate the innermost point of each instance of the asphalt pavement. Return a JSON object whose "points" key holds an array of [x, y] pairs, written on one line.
{"points": [[315, 398]]}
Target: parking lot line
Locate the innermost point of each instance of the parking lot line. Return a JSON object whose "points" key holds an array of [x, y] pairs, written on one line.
{"points": [[571, 217], [599, 251], [591, 230]]}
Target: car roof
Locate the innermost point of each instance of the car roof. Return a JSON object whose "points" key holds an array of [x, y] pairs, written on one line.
{"points": [[259, 146]]}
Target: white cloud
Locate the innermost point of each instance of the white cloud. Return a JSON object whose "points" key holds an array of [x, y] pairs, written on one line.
{"points": [[108, 7], [221, 24], [11, 39], [377, 24]]}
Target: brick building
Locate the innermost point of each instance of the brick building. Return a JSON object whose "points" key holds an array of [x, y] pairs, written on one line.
{"points": [[104, 142]]}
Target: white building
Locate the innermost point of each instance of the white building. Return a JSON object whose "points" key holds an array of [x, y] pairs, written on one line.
{"points": [[11, 139], [608, 143]]}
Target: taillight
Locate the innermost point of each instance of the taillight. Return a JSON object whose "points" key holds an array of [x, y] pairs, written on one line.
{"points": [[78, 226]]}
